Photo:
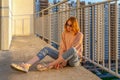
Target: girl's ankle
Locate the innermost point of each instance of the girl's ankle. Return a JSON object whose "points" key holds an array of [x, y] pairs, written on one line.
{"points": [[27, 65]]}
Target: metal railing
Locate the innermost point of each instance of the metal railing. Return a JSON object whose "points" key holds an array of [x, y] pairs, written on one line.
{"points": [[99, 22]]}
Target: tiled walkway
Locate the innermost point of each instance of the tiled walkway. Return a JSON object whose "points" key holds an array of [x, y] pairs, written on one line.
{"points": [[24, 48]]}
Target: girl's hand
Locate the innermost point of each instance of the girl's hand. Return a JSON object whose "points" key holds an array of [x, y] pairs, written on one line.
{"points": [[64, 63], [60, 65]]}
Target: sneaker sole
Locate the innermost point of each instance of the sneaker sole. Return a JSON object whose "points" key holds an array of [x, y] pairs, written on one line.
{"points": [[17, 69]]}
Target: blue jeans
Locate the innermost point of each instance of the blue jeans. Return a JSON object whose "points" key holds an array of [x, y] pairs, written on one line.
{"points": [[70, 55]]}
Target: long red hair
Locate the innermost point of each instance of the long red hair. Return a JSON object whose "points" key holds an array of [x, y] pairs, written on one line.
{"points": [[75, 25]]}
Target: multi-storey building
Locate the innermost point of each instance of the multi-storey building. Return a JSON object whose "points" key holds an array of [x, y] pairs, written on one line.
{"points": [[55, 9], [98, 42], [37, 5], [88, 32], [81, 13], [72, 5], [119, 30], [113, 31], [43, 5], [95, 34], [106, 31], [81, 21]]}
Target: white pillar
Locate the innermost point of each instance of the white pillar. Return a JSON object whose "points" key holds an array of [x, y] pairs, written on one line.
{"points": [[4, 25]]}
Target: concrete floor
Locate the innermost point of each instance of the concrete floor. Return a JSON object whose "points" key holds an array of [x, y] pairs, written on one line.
{"points": [[23, 49]]}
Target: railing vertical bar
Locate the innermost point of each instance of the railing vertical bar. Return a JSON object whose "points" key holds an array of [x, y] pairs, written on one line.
{"points": [[103, 48], [31, 29], [49, 28], [34, 24], [77, 10], [86, 55], [43, 25], [89, 32], [116, 16], [67, 11], [81, 20], [93, 33], [31, 24], [58, 27], [98, 53], [109, 61]]}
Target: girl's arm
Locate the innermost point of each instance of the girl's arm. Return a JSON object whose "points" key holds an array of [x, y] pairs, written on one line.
{"points": [[62, 45], [78, 42]]}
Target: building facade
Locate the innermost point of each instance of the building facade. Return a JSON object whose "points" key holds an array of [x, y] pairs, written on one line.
{"points": [[113, 31], [99, 33], [43, 4], [119, 30], [87, 33], [106, 31], [82, 21]]}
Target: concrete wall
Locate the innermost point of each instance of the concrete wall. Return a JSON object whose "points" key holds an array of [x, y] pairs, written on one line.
{"points": [[0, 24], [22, 19], [16, 18], [4, 24]]}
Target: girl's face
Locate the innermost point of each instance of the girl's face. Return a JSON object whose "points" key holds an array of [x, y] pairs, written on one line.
{"points": [[69, 26]]}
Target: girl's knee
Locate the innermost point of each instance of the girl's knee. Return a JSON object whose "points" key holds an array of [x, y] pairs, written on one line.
{"points": [[74, 50], [43, 51]]}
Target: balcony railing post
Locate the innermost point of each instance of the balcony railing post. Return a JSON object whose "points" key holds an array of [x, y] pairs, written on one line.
{"points": [[43, 25], [93, 26], [32, 24], [116, 16], [109, 56], [103, 33], [78, 11], [49, 28], [89, 32]]}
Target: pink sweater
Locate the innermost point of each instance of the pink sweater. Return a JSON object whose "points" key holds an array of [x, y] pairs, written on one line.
{"points": [[69, 40]]}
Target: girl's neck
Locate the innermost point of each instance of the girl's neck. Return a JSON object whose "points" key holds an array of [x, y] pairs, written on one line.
{"points": [[70, 32]]}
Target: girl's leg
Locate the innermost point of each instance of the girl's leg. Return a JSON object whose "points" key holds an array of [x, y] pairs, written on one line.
{"points": [[33, 60], [71, 57], [48, 51], [44, 52]]}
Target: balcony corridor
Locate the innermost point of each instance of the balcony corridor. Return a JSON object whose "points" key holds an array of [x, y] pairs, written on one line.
{"points": [[24, 48]]}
